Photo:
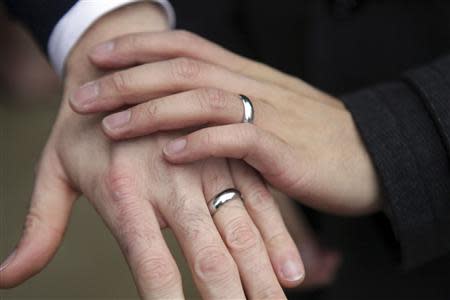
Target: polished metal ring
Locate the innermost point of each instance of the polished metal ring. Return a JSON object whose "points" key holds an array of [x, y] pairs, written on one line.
{"points": [[222, 198], [249, 112]]}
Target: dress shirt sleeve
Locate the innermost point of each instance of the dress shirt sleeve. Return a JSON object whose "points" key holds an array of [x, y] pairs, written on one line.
{"points": [[79, 18], [406, 128]]}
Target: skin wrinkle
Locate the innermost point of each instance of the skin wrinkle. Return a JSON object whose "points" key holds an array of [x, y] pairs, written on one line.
{"points": [[212, 264], [187, 73], [189, 218], [240, 235]]}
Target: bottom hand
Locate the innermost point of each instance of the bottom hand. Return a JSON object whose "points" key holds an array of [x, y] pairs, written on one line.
{"points": [[243, 247]]}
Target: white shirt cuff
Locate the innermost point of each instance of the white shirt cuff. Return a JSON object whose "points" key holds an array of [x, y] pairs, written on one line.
{"points": [[79, 18]]}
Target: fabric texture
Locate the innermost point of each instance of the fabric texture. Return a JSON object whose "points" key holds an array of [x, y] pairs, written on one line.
{"points": [[412, 164]]}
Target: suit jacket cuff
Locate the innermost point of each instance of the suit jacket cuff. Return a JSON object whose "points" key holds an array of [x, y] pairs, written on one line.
{"points": [[410, 158]]}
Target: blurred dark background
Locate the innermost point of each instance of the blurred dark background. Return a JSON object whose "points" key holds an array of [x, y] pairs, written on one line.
{"points": [[89, 264]]}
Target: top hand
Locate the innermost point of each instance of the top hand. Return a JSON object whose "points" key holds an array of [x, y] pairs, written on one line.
{"points": [[303, 141]]}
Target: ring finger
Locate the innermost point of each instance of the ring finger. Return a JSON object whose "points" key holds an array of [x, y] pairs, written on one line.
{"points": [[241, 237], [199, 107], [214, 270]]}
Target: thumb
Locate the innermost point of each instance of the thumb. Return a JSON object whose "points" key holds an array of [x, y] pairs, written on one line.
{"points": [[49, 212]]}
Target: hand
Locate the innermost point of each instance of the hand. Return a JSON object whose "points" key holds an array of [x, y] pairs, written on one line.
{"points": [[142, 48], [136, 192], [303, 141]]}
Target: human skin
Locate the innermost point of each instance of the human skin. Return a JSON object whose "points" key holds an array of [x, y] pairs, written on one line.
{"points": [[303, 141], [136, 192], [321, 263]]}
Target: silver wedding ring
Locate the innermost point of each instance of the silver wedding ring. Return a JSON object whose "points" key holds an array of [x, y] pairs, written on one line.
{"points": [[222, 198], [249, 112]]}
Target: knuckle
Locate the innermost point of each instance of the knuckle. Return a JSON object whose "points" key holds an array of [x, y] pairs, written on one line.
{"points": [[258, 198], [212, 99], [207, 139], [120, 182], [31, 221], [158, 271], [34, 221], [119, 82], [213, 264], [185, 69], [239, 235], [135, 235], [120, 188], [148, 112]]}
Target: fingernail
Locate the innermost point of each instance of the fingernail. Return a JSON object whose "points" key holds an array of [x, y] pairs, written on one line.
{"points": [[117, 120], [175, 146], [292, 271], [7, 261], [103, 49], [86, 94]]}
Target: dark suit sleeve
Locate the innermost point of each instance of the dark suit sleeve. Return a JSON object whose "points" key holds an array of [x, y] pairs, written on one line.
{"points": [[39, 16], [406, 128]]}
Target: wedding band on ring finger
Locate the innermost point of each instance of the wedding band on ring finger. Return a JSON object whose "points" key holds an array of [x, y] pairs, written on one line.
{"points": [[249, 111], [222, 198]]}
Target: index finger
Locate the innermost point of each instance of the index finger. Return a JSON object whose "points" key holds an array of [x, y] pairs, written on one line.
{"points": [[159, 79]]}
